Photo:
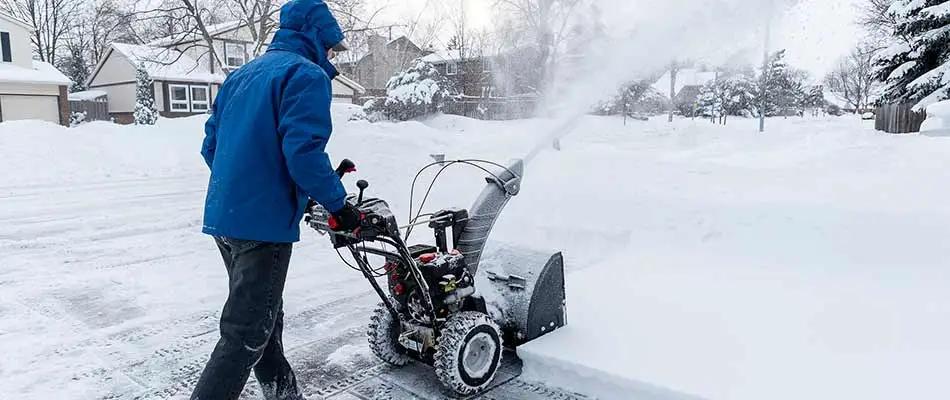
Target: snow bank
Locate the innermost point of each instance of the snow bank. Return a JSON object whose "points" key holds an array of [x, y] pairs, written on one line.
{"points": [[938, 120], [44, 153], [37, 152], [806, 262]]}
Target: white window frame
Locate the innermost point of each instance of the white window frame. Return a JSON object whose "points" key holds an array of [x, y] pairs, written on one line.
{"points": [[486, 65], [448, 68], [172, 102], [227, 53], [207, 101]]}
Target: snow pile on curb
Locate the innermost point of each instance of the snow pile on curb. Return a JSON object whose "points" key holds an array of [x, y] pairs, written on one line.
{"points": [[938, 120], [807, 262]]}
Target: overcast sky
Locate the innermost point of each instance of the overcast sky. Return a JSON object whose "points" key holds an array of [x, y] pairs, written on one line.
{"points": [[815, 32]]}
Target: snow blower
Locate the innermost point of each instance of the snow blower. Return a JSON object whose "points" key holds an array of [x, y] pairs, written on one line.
{"points": [[431, 310]]}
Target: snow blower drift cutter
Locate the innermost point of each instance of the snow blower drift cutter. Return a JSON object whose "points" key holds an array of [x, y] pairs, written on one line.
{"points": [[431, 310]]}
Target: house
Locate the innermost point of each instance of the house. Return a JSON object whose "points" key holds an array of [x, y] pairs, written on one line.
{"points": [[509, 73], [182, 86], [186, 77], [29, 89], [385, 59], [688, 79], [689, 84]]}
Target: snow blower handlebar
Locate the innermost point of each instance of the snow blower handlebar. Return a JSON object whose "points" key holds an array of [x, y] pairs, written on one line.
{"points": [[346, 166]]}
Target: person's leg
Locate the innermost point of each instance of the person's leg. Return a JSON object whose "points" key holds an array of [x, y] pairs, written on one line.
{"points": [[257, 274], [273, 372]]}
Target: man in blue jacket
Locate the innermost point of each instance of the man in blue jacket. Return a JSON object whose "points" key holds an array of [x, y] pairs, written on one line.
{"points": [[264, 143]]}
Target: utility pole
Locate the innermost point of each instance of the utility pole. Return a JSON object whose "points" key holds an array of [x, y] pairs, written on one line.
{"points": [[765, 66]]}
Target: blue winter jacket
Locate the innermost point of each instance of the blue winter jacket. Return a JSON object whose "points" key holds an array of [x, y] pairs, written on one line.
{"points": [[267, 132]]}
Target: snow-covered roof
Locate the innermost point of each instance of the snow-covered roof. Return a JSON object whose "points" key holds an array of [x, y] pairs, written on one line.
{"points": [[351, 84], [167, 64], [41, 73], [834, 99], [684, 77], [87, 95], [21, 23], [442, 56]]}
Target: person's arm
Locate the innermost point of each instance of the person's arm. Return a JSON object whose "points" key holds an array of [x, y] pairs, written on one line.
{"points": [[304, 125], [211, 136]]}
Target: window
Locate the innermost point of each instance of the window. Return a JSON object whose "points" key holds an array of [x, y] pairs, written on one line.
{"points": [[5, 44], [486, 65], [199, 98], [488, 91], [452, 68], [178, 98], [235, 54], [189, 98]]}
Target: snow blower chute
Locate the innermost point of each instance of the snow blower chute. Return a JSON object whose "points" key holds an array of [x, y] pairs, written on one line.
{"points": [[431, 310]]}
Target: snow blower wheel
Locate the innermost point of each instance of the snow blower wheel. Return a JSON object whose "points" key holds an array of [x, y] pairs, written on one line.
{"points": [[383, 335], [431, 311], [468, 352]]}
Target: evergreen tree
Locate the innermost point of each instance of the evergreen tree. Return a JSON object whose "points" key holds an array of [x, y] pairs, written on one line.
{"points": [[417, 92], [145, 112], [730, 95], [815, 99], [772, 81], [709, 103], [75, 67], [739, 94], [784, 89], [917, 69]]}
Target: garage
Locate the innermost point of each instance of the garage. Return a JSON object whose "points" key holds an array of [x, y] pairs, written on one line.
{"points": [[20, 107], [37, 93]]}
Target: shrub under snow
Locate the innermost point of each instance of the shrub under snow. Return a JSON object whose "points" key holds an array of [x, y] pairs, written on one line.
{"points": [[419, 91]]}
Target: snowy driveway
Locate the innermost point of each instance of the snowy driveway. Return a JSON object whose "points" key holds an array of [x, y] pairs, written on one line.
{"points": [[108, 290]]}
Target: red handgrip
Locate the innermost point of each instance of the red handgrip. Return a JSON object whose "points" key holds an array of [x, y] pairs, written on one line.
{"points": [[331, 222]]}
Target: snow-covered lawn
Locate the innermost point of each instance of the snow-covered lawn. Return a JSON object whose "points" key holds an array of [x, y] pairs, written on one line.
{"points": [[807, 262]]}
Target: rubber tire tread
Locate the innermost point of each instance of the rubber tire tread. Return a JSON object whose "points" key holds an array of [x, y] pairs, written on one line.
{"points": [[449, 348], [381, 342]]}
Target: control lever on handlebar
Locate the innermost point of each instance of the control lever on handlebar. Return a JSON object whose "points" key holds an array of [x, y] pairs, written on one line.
{"points": [[345, 166], [362, 185]]}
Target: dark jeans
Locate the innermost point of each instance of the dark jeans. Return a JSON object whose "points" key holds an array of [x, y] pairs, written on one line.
{"points": [[251, 325]]}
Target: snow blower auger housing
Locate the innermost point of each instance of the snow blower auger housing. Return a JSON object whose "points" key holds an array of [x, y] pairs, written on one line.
{"points": [[431, 310]]}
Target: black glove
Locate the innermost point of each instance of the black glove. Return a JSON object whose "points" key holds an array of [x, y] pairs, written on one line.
{"points": [[346, 219]]}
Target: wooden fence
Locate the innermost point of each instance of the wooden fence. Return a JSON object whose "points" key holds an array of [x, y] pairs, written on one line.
{"points": [[898, 118], [95, 110], [493, 108]]}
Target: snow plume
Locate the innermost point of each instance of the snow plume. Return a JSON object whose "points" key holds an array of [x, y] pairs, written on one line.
{"points": [[643, 37]]}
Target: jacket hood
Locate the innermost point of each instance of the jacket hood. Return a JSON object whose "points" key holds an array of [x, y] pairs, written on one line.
{"points": [[308, 28]]}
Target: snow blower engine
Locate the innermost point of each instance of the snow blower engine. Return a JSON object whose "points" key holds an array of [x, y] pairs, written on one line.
{"points": [[431, 310]]}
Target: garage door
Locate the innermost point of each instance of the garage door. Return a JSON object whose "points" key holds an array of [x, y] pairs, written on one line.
{"points": [[44, 108]]}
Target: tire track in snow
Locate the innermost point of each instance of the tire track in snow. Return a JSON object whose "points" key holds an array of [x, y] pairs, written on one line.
{"points": [[187, 357]]}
